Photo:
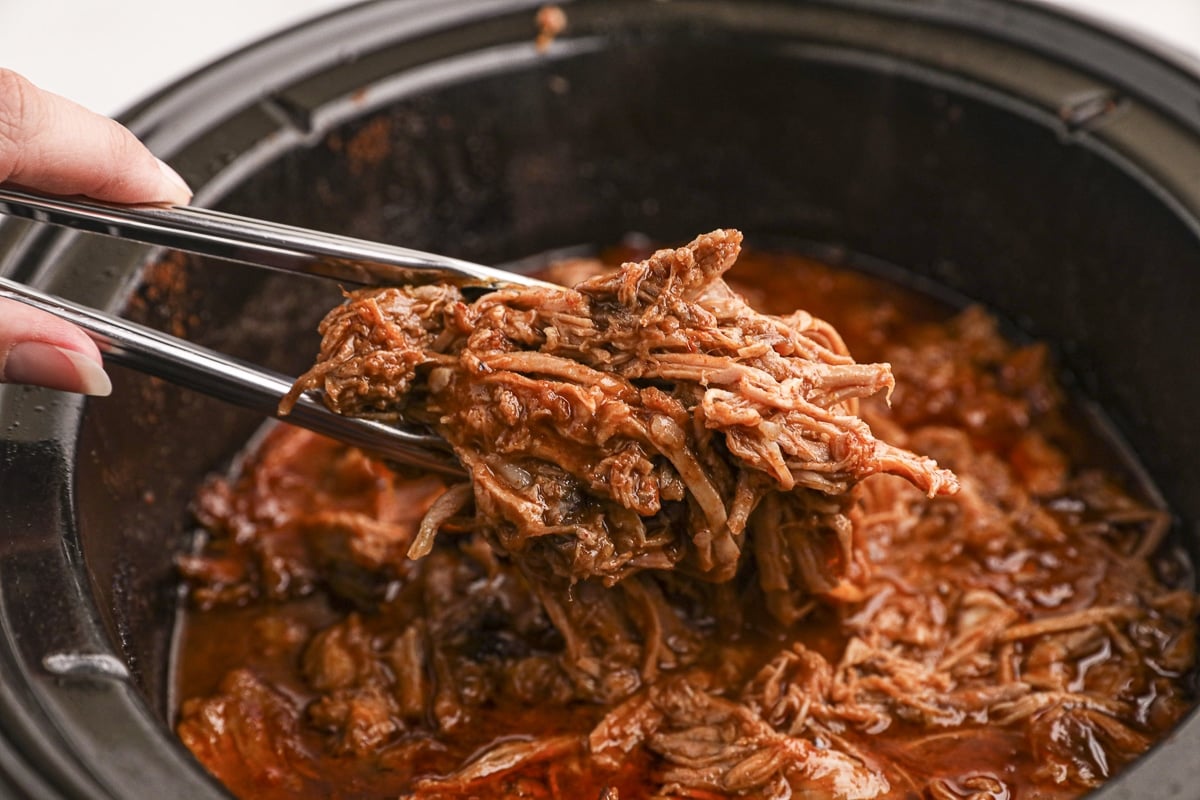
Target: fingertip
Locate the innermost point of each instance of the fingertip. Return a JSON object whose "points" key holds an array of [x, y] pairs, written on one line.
{"points": [[181, 193], [91, 377], [40, 349], [55, 367]]}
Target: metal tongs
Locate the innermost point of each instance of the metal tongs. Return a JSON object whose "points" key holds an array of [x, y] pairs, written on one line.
{"points": [[261, 244]]}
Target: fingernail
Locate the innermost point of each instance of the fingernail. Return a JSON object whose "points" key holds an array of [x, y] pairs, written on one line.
{"points": [[42, 364], [179, 183]]}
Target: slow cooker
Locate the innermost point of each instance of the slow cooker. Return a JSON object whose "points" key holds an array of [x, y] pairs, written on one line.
{"points": [[1000, 151]]}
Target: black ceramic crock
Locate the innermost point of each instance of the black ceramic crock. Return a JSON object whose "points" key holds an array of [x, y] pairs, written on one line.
{"points": [[1020, 157]]}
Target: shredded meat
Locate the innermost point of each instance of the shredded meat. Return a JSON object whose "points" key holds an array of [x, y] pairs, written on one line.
{"points": [[362, 634], [648, 418]]}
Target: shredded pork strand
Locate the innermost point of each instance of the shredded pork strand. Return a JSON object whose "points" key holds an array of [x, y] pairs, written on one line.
{"points": [[644, 419]]}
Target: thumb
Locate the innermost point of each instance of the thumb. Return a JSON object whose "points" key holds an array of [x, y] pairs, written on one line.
{"points": [[50, 143]]}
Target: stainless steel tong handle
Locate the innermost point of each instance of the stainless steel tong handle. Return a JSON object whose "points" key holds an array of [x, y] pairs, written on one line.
{"points": [[256, 242], [260, 244], [207, 371]]}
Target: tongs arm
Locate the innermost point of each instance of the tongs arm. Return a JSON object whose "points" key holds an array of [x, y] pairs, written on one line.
{"points": [[207, 371], [261, 244], [257, 242]]}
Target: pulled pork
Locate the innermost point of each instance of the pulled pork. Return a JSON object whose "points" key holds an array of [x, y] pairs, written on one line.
{"points": [[1027, 636], [648, 418]]}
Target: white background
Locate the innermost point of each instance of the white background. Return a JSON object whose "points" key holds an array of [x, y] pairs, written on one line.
{"points": [[107, 54]]}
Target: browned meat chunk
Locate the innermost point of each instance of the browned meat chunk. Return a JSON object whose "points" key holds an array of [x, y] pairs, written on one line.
{"points": [[250, 725]]}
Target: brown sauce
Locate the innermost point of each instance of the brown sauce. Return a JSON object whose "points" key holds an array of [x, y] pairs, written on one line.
{"points": [[1014, 641]]}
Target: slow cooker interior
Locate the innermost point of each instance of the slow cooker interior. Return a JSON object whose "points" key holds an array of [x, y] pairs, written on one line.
{"points": [[974, 189]]}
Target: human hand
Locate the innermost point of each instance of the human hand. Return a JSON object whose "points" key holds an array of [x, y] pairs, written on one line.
{"points": [[50, 143]]}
